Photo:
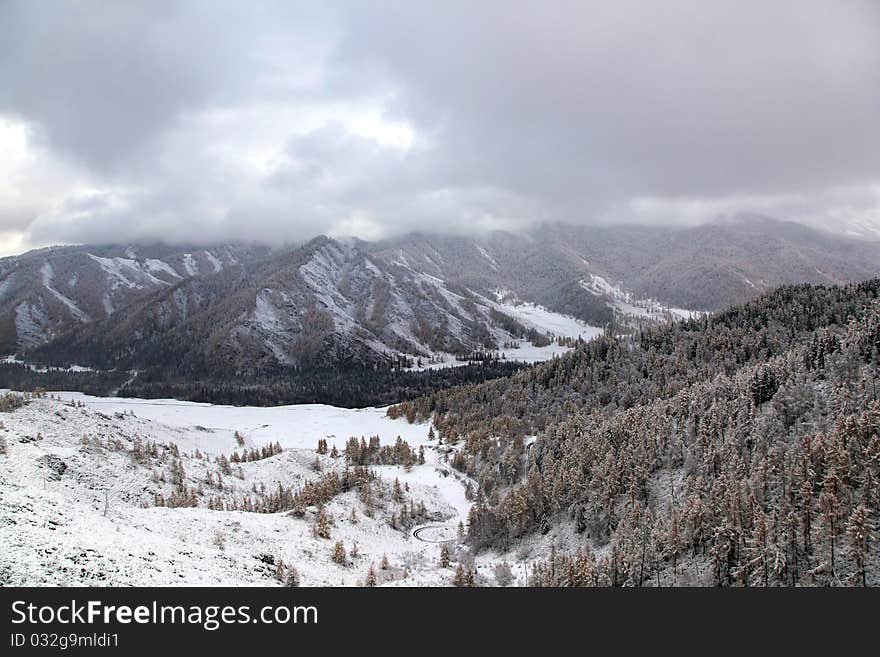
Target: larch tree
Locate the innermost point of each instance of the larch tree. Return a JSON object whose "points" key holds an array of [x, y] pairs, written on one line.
{"points": [[860, 532]]}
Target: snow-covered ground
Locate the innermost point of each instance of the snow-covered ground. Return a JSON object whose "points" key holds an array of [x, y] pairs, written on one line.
{"points": [[38, 368], [298, 426], [76, 506], [539, 318], [531, 316], [628, 308]]}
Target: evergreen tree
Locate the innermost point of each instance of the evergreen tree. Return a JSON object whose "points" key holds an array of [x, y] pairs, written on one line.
{"points": [[860, 532]]}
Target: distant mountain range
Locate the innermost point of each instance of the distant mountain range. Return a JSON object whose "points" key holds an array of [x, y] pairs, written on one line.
{"points": [[335, 301]]}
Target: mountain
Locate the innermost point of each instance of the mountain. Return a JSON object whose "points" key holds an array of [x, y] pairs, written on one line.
{"points": [[343, 302], [710, 266], [47, 292], [704, 267], [328, 302]]}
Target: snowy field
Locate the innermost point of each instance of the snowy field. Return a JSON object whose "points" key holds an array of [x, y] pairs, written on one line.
{"points": [[76, 506], [531, 316], [298, 426]]}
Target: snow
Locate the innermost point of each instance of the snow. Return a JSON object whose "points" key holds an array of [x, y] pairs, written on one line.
{"points": [[5, 284], [626, 306], [189, 264], [119, 270], [36, 368], [29, 322], [108, 304], [534, 316], [160, 266], [295, 426], [214, 262], [56, 531], [488, 257], [681, 313], [48, 275]]}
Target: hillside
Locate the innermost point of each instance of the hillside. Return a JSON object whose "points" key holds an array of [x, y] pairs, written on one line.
{"points": [[741, 448], [47, 292], [125, 493]]}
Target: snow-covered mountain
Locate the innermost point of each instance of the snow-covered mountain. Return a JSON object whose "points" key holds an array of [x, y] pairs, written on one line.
{"points": [[46, 292], [344, 301], [326, 303]]}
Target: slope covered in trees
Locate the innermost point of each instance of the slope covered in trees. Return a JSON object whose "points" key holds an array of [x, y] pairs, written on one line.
{"points": [[741, 448]]}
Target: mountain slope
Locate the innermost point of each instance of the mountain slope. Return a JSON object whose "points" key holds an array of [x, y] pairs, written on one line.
{"points": [[327, 303], [46, 292], [341, 302], [741, 448]]}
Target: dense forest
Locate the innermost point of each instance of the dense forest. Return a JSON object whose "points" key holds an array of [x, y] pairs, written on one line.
{"points": [[351, 387], [737, 449]]}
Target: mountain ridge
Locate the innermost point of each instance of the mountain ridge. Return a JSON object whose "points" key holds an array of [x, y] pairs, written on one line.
{"points": [[331, 301]]}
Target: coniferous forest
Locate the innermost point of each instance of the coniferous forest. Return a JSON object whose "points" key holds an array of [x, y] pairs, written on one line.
{"points": [[740, 449], [349, 387]]}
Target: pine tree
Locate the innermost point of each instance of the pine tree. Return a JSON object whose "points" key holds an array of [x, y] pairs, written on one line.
{"points": [[4, 446], [371, 576], [385, 565], [860, 532], [292, 580]]}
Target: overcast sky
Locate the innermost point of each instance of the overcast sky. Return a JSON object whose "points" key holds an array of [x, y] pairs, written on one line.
{"points": [[212, 120]]}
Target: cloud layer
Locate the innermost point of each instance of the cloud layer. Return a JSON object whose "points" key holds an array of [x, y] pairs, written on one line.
{"points": [[200, 121]]}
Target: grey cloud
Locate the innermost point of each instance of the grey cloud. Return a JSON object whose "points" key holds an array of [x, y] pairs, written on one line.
{"points": [[522, 112]]}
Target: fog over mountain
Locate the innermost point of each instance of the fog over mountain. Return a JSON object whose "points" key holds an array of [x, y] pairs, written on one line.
{"points": [[213, 121]]}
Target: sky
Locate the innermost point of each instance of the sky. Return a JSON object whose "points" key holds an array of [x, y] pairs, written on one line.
{"points": [[201, 121]]}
